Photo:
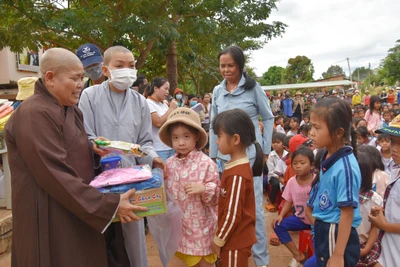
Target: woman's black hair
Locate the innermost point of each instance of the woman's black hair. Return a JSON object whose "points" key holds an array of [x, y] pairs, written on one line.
{"points": [[238, 56], [362, 131], [375, 157], [372, 102], [317, 166], [236, 121], [364, 161], [146, 89], [156, 82], [336, 113], [304, 151]]}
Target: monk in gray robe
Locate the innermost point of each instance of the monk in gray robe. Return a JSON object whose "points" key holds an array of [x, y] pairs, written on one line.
{"points": [[58, 219], [114, 111]]}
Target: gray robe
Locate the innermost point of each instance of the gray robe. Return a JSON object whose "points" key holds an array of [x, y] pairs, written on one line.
{"points": [[132, 125]]}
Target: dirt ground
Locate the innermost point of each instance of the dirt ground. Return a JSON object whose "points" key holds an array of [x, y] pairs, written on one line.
{"points": [[279, 255]]}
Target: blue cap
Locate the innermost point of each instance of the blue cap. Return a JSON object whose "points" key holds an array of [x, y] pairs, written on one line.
{"points": [[89, 54], [392, 129]]}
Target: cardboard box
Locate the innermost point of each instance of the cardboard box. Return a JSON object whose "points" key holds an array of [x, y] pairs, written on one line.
{"points": [[154, 199]]}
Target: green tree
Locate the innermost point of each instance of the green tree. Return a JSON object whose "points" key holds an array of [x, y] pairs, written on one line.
{"points": [[360, 73], [390, 66], [333, 70], [272, 76], [174, 30], [374, 78], [299, 70]]}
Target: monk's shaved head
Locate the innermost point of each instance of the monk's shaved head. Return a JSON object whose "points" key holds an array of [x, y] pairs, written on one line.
{"points": [[112, 50], [57, 60]]}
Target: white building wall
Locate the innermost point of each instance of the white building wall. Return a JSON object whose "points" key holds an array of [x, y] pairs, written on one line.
{"points": [[8, 68]]}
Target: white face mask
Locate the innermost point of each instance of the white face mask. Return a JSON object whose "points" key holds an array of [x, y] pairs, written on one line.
{"points": [[122, 79]]}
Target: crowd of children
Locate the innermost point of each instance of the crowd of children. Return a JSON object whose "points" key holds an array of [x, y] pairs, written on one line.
{"points": [[347, 203], [335, 174]]}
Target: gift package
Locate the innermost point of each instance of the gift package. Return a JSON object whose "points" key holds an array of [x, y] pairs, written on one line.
{"points": [[121, 147], [150, 191]]}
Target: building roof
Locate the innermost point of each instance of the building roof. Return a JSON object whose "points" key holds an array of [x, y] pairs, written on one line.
{"points": [[307, 85]]}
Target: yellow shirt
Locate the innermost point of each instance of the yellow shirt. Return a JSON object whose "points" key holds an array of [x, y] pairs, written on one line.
{"points": [[356, 100]]}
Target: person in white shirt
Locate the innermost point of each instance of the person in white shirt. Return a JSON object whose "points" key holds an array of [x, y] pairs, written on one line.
{"points": [[274, 157], [387, 219], [159, 111], [279, 125]]}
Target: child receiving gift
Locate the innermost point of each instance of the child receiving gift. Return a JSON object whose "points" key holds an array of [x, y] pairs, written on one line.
{"points": [[193, 182]]}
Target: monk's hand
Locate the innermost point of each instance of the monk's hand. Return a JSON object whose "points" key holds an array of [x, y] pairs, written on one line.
{"points": [[194, 188], [97, 149], [126, 210], [158, 163]]}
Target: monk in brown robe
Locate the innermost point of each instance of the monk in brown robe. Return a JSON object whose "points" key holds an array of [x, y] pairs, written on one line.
{"points": [[58, 219]]}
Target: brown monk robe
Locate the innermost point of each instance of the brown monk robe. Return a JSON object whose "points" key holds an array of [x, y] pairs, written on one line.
{"points": [[58, 219]]}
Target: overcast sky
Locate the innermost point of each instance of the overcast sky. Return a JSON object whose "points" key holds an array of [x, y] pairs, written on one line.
{"points": [[328, 32]]}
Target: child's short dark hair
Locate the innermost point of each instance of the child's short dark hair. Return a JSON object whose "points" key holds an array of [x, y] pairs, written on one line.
{"points": [[305, 129], [286, 120], [278, 137], [305, 151], [294, 119], [306, 115], [364, 161], [362, 131], [386, 112], [277, 118], [383, 137], [287, 127], [286, 141], [358, 121]]}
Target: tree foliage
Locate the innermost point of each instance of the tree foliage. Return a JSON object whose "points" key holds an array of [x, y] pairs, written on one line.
{"points": [[390, 66], [197, 29], [360, 73], [333, 70], [272, 76], [299, 70]]}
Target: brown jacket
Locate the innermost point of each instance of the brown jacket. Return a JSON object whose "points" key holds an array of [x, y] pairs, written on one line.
{"points": [[57, 217], [236, 207], [298, 102]]}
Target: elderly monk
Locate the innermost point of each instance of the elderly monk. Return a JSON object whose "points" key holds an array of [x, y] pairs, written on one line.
{"points": [[113, 110], [58, 219]]}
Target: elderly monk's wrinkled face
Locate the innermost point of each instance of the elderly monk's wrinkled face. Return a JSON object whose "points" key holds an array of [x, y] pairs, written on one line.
{"points": [[68, 85]]}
